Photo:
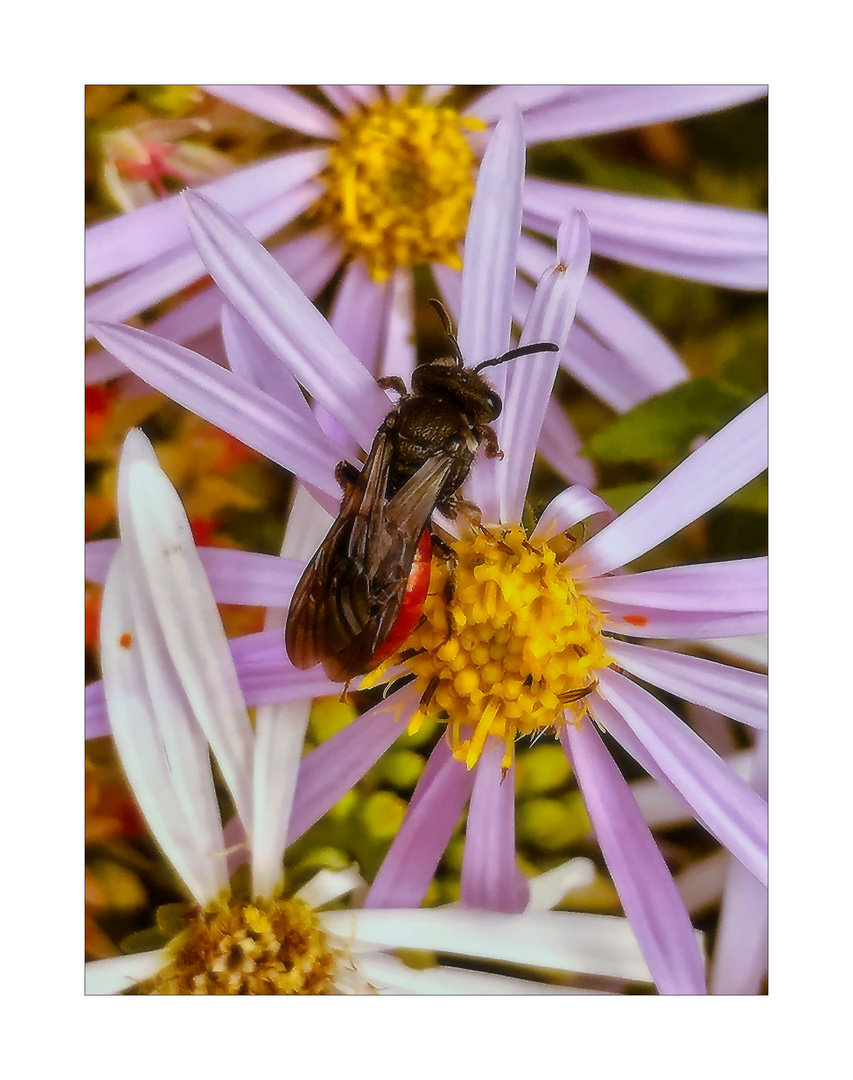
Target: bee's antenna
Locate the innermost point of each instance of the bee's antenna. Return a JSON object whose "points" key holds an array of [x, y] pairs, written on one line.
{"points": [[448, 329], [522, 350]]}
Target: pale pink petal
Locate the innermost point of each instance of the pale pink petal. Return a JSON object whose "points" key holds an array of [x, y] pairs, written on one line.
{"points": [[328, 773], [614, 108], [236, 577], [181, 265], [634, 620], [280, 105], [399, 354], [359, 314], [490, 876], [740, 694], [707, 243], [569, 508], [737, 585], [740, 953], [666, 747], [560, 445], [488, 277], [649, 897], [250, 359], [113, 247], [648, 360], [286, 320], [229, 402], [727, 461], [434, 812], [529, 381], [500, 100]]}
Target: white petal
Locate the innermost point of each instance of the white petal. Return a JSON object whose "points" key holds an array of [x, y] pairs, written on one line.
{"points": [[122, 972]]}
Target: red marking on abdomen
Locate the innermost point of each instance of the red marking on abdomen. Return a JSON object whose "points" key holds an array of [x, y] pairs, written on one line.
{"points": [[413, 600]]}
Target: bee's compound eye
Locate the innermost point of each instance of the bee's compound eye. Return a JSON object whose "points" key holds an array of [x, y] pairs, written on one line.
{"points": [[495, 404]]}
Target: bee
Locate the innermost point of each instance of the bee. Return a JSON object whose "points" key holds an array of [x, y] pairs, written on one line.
{"points": [[362, 593]]}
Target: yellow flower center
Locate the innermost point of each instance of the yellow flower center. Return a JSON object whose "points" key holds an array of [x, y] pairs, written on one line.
{"points": [[262, 947], [399, 185], [515, 649]]}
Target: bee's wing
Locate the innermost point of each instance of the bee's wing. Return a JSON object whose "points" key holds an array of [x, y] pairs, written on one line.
{"points": [[350, 595]]}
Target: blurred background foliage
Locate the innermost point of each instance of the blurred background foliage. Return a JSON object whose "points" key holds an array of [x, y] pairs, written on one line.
{"points": [[235, 498]]}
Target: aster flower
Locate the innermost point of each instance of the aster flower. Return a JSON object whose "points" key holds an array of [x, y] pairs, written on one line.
{"points": [[173, 697], [385, 183], [585, 606]]}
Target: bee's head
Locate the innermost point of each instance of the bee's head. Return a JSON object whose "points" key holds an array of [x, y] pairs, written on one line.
{"points": [[446, 378]]}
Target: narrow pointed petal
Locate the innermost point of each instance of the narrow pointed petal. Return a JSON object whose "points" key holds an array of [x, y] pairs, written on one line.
{"points": [[569, 508], [327, 773], [162, 750], [434, 812], [635, 620], [716, 244], [286, 320], [500, 100], [615, 108], [153, 522], [359, 314], [236, 577], [740, 694], [624, 338], [491, 244], [280, 105], [488, 276], [280, 729], [121, 244], [181, 266], [122, 972], [737, 585], [399, 354], [250, 359], [392, 976], [751, 649], [727, 807], [649, 897], [310, 260], [727, 461], [328, 885], [740, 952], [556, 940], [491, 878], [560, 445], [548, 889], [229, 402], [530, 381]]}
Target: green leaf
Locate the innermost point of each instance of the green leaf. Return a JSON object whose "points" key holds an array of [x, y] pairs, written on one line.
{"points": [[666, 426]]}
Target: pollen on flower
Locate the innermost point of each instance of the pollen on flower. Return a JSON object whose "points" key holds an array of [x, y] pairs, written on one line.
{"points": [[399, 185], [513, 651], [258, 947]]}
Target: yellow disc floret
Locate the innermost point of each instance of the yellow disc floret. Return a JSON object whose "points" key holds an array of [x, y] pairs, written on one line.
{"points": [[262, 947], [399, 185], [508, 645]]}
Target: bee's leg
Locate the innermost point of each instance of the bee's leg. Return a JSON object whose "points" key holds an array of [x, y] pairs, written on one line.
{"points": [[451, 560], [392, 382], [346, 475], [486, 434], [578, 695]]}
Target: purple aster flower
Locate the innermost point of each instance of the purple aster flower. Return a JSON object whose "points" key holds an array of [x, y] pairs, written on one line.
{"points": [[173, 697], [385, 182], [551, 615]]}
